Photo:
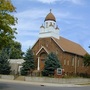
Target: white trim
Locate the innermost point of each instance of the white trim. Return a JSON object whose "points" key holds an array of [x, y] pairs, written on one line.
{"points": [[38, 68], [41, 49], [58, 44]]}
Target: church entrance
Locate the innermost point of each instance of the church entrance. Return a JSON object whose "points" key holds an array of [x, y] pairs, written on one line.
{"points": [[43, 57], [41, 61]]}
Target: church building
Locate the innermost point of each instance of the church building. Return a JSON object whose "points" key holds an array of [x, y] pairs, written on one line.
{"points": [[69, 53]]}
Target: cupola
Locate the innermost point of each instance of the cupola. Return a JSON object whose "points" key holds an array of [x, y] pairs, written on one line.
{"points": [[50, 16], [49, 28]]}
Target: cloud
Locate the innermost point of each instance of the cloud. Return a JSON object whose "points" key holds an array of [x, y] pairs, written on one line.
{"points": [[52, 1], [33, 19], [61, 1], [28, 33], [31, 13], [30, 20], [48, 1], [76, 1], [27, 43]]}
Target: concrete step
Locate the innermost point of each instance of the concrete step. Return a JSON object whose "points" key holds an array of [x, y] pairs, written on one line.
{"points": [[21, 78]]}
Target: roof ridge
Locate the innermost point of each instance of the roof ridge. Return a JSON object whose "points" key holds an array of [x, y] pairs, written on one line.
{"points": [[74, 42], [70, 40], [69, 46], [57, 43]]}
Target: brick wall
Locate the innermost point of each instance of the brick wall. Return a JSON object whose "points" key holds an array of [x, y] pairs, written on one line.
{"points": [[51, 46]]}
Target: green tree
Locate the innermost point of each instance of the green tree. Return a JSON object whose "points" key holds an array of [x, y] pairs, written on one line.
{"points": [[15, 50], [86, 60], [7, 20], [4, 63], [28, 65], [51, 64]]}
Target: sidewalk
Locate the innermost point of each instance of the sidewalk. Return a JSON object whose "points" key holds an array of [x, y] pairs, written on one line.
{"points": [[41, 84]]}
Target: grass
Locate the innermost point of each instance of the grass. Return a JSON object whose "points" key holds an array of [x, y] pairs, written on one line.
{"points": [[84, 84]]}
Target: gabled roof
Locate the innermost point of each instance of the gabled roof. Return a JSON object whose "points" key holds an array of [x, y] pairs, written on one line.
{"points": [[41, 49], [69, 46]]}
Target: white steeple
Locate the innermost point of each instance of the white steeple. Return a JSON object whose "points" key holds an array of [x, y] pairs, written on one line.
{"points": [[49, 29]]}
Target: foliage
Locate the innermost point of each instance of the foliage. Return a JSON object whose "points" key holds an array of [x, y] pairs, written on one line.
{"points": [[4, 63], [51, 64], [7, 20], [28, 65], [86, 60], [15, 50]]}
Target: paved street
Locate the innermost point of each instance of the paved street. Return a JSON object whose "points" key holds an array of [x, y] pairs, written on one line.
{"points": [[26, 86]]}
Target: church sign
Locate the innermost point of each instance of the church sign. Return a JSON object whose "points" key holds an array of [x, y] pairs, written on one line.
{"points": [[59, 71]]}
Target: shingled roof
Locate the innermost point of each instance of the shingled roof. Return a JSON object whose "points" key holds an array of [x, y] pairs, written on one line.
{"points": [[69, 46]]}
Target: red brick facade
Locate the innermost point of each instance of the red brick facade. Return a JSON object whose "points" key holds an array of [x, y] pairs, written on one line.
{"points": [[72, 63]]}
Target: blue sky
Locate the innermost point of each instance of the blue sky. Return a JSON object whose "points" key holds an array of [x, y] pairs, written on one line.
{"points": [[72, 16]]}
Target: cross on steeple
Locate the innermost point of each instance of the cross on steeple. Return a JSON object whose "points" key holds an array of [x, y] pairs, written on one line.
{"points": [[50, 10]]}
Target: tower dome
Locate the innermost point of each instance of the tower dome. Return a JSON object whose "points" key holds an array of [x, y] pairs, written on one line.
{"points": [[50, 16]]}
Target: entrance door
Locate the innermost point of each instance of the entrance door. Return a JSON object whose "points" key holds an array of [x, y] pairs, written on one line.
{"points": [[42, 60]]}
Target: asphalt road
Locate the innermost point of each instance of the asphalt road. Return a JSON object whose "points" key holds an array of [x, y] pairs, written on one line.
{"points": [[23, 86]]}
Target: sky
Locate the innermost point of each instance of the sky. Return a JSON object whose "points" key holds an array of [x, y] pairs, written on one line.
{"points": [[72, 18]]}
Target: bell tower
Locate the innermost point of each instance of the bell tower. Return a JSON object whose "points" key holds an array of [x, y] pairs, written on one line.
{"points": [[49, 29]]}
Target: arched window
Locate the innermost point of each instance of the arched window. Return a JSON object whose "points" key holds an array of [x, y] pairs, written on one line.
{"points": [[65, 62], [72, 61], [46, 24], [68, 62], [78, 63], [54, 24]]}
